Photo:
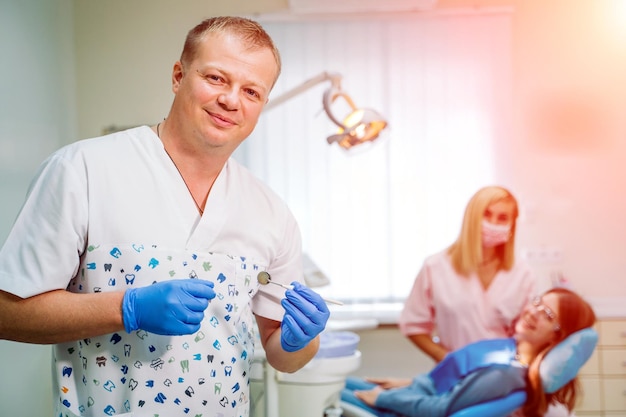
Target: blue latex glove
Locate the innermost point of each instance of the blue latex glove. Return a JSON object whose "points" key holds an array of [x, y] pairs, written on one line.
{"points": [[173, 307], [305, 317]]}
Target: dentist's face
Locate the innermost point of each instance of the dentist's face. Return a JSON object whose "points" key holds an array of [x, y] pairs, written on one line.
{"points": [[221, 93]]}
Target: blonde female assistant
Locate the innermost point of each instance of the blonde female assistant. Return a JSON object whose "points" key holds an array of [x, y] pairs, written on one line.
{"points": [[474, 289]]}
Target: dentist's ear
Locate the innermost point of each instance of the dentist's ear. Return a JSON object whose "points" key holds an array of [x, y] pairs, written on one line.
{"points": [[177, 75]]}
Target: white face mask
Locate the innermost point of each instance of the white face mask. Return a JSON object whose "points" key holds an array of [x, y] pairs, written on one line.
{"points": [[495, 234]]}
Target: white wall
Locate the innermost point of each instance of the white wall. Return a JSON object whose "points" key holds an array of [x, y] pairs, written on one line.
{"points": [[37, 97], [567, 152]]}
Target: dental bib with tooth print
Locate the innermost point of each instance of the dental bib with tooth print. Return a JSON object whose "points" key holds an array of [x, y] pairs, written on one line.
{"points": [[144, 374]]}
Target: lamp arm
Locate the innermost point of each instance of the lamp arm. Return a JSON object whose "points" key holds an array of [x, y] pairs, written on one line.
{"points": [[324, 76], [329, 96]]}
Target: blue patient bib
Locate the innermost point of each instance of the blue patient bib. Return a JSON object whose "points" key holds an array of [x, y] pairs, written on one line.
{"points": [[460, 363]]}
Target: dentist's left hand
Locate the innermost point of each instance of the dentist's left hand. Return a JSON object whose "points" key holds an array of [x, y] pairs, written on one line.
{"points": [[305, 317]]}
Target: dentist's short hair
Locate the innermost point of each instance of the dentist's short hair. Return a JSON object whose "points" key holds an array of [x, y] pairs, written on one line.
{"points": [[245, 29]]}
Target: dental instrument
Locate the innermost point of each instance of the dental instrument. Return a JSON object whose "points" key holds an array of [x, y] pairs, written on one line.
{"points": [[264, 278]]}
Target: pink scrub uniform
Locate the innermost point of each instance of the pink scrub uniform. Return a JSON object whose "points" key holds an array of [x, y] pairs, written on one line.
{"points": [[459, 309], [112, 213]]}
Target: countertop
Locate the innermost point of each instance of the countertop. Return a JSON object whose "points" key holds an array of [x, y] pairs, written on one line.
{"points": [[359, 316]]}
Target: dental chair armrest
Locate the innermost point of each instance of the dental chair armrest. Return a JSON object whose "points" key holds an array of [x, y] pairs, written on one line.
{"points": [[350, 410], [500, 407], [492, 385]]}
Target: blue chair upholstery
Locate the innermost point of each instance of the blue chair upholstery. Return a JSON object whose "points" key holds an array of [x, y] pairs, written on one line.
{"points": [[500, 407]]}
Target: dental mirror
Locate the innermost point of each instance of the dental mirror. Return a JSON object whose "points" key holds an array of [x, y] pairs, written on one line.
{"points": [[265, 278]]}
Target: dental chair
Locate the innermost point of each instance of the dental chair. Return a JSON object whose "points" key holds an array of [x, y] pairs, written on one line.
{"points": [[559, 366]]}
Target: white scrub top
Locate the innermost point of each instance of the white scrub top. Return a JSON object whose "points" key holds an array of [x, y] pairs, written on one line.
{"points": [[110, 213]]}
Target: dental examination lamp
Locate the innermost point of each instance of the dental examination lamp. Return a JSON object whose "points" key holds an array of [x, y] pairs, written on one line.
{"points": [[362, 125]]}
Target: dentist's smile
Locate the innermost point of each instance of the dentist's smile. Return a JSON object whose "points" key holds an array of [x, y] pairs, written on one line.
{"points": [[221, 120]]}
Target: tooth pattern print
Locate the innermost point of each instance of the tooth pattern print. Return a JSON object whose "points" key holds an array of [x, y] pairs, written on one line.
{"points": [[144, 374]]}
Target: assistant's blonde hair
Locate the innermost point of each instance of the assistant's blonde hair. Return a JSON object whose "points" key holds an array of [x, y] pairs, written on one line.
{"points": [[466, 252]]}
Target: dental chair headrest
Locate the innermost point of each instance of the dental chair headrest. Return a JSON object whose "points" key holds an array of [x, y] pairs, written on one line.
{"points": [[562, 363]]}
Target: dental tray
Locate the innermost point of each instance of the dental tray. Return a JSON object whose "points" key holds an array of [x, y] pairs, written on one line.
{"points": [[337, 344]]}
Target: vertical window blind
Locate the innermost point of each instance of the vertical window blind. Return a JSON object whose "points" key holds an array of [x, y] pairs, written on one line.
{"points": [[370, 217]]}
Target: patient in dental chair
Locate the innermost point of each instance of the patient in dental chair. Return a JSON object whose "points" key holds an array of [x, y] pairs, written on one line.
{"points": [[553, 339]]}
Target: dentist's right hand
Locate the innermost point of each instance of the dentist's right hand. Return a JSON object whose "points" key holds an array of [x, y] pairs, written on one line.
{"points": [[171, 308]]}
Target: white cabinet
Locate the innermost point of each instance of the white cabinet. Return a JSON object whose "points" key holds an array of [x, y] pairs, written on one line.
{"points": [[591, 400], [603, 378]]}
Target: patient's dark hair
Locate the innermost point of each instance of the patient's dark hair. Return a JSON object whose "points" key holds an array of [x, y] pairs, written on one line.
{"points": [[574, 314]]}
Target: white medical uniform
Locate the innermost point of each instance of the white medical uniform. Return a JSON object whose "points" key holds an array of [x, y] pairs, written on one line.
{"points": [[112, 213]]}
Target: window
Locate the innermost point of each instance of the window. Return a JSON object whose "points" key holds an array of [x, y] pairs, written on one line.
{"points": [[370, 218]]}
